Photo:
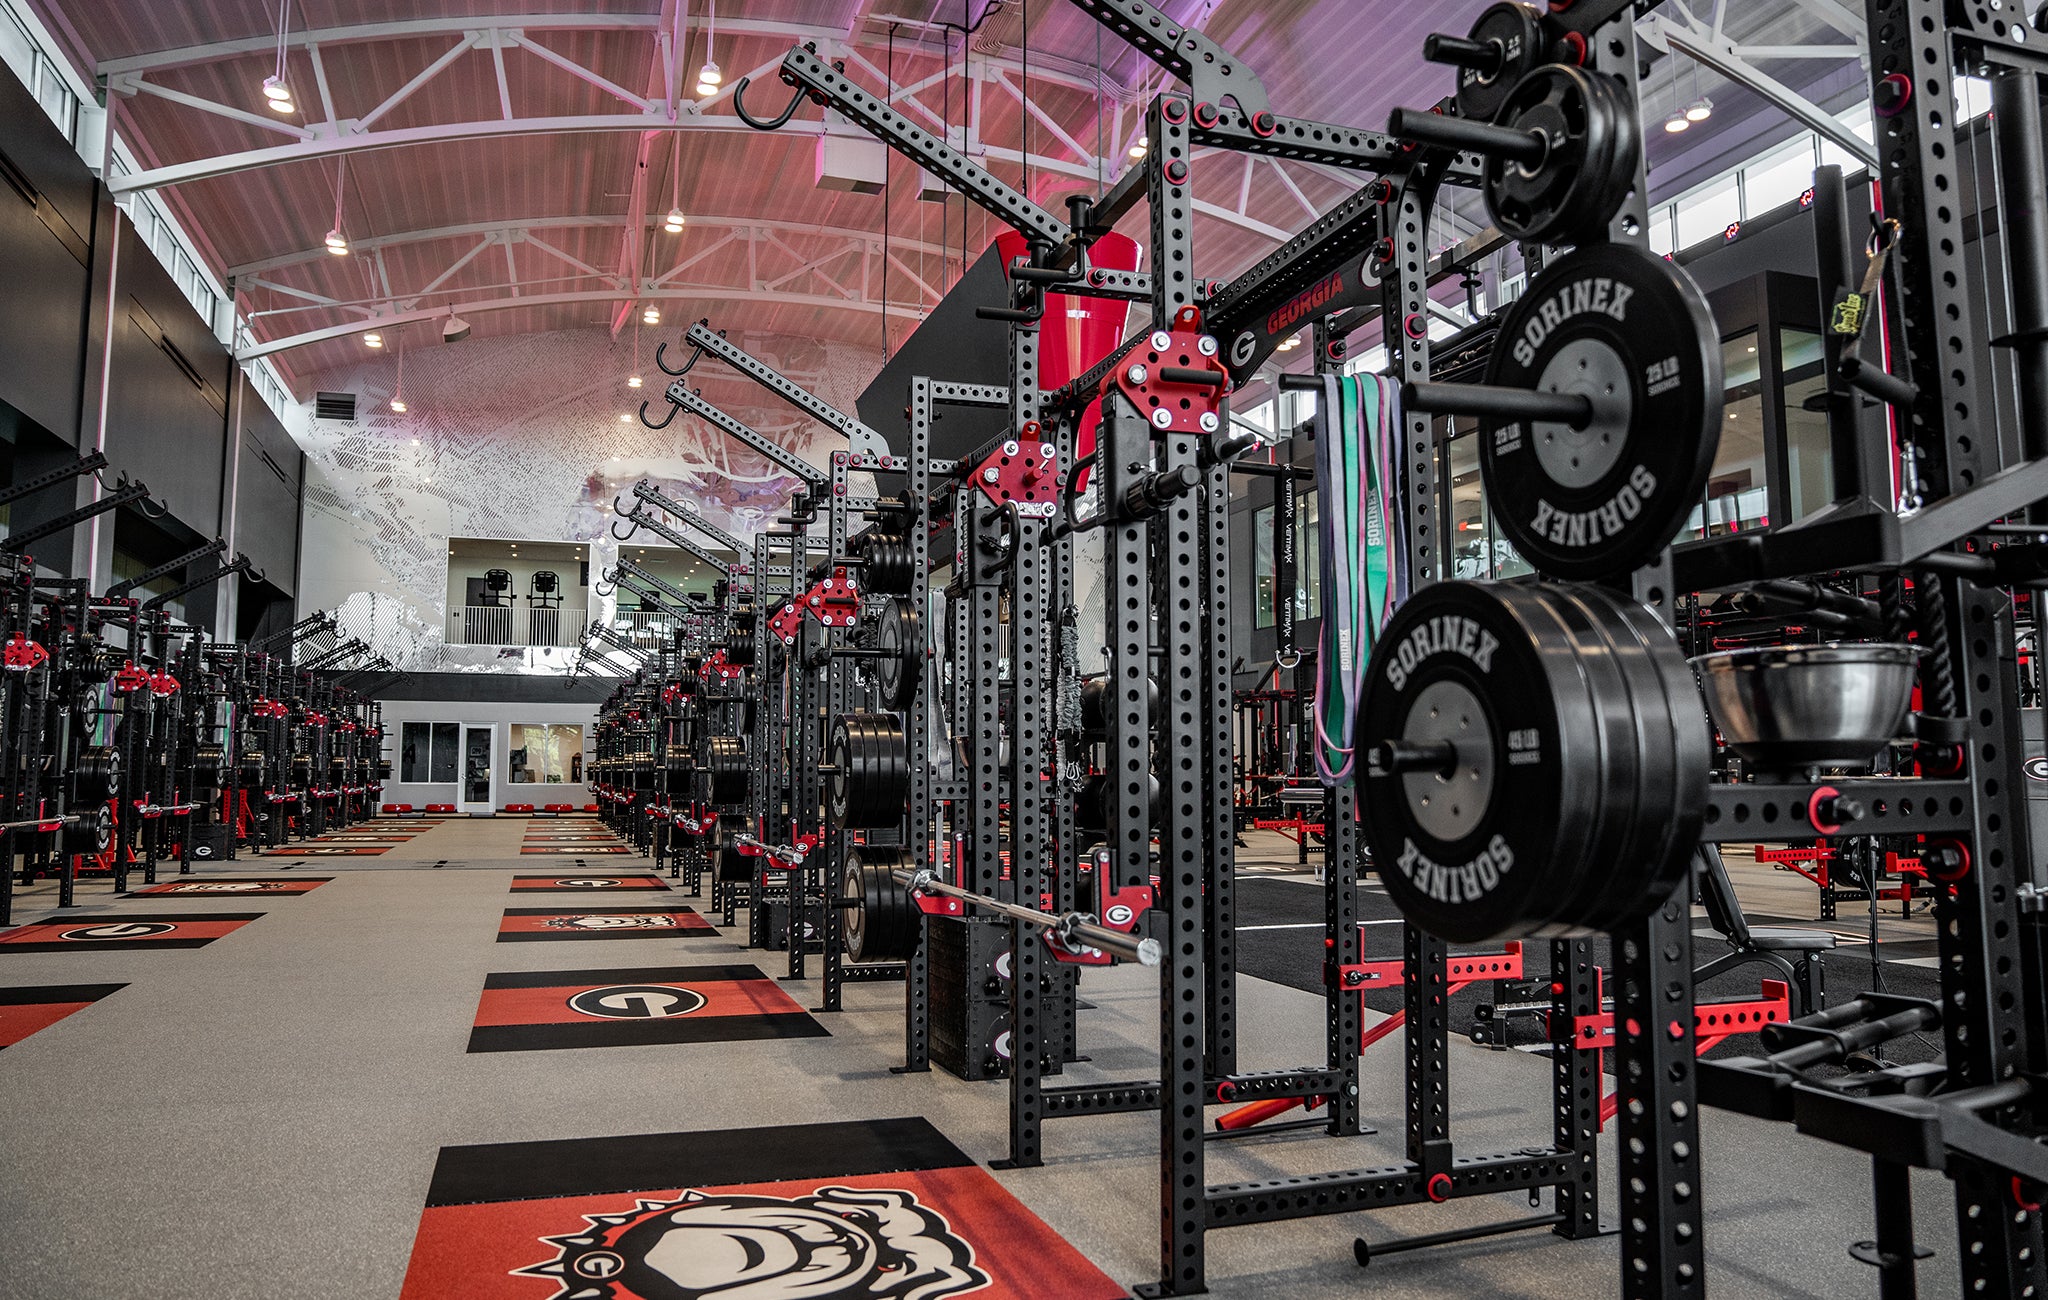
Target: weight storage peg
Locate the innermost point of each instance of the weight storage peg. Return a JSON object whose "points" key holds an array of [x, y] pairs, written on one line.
{"points": [[1561, 153], [1536, 760], [1601, 411], [1507, 43]]}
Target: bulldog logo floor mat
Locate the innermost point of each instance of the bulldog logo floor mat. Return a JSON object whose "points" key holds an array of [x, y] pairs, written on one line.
{"points": [[107, 932], [869, 1210], [544, 1011], [24, 1011], [614, 884], [539, 923], [291, 888]]}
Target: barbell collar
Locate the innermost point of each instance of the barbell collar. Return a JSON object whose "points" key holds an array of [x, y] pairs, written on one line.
{"points": [[1448, 132], [1498, 402]]}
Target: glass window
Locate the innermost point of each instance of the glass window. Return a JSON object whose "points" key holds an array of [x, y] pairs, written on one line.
{"points": [[546, 754], [1663, 232], [1308, 551], [1735, 497], [1808, 457], [1779, 177], [427, 753], [1709, 212], [1477, 548]]}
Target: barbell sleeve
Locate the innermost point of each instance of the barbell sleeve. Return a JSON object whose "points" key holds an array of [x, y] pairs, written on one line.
{"points": [[1483, 400], [1448, 132], [1482, 57], [1414, 756]]}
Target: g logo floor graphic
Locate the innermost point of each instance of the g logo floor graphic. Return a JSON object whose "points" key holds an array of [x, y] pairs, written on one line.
{"points": [[593, 882], [121, 930], [637, 1001]]}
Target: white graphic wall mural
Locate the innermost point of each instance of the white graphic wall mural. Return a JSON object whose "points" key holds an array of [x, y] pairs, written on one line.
{"points": [[522, 438]]}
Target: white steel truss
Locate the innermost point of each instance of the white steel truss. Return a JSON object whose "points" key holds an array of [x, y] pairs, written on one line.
{"points": [[661, 111], [756, 261]]}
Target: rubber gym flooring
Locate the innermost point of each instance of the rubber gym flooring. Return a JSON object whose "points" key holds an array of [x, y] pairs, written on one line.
{"points": [[293, 1109]]}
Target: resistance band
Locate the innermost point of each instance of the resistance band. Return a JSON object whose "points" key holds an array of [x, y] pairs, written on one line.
{"points": [[1359, 565]]}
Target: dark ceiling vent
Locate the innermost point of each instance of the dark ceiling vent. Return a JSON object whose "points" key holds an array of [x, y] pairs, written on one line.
{"points": [[334, 406]]}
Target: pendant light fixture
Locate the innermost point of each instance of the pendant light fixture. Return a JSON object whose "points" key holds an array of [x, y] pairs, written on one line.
{"points": [[398, 389], [276, 91], [709, 78], [337, 243]]}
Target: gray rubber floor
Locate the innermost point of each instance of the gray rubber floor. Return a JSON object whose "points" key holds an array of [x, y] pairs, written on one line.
{"points": [[260, 1117]]}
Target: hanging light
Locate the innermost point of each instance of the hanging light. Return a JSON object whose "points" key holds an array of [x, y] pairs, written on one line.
{"points": [[279, 95], [1675, 123], [632, 381], [1139, 147], [673, 222], [398, 389], [337, 243], [373, 340], [652, 315], [708, 76], [1699, 110]]}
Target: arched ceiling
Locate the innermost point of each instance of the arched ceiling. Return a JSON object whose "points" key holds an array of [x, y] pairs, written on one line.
{"points": [[514, 166]]}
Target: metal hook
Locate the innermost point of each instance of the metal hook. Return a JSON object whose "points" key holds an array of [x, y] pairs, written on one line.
{"points": [[626, 537], [672, 409], [661, 350], [739, 90]]}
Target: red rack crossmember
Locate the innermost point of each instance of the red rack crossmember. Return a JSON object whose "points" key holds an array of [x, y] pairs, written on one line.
{"points": [[1819, 854], [1297, 829], [1460, 971], [1711, 1023]]}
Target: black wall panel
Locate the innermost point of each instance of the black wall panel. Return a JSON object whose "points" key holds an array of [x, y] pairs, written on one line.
{"points": [[267, 510], [167, 407], [46, 209]]}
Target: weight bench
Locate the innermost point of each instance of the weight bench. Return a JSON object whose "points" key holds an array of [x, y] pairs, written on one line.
{"points": [[1797, 953]]}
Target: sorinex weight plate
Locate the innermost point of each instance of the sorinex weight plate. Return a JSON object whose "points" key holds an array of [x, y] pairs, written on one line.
{"points": [[1535, 764], [900, 636], [1631, 333]]}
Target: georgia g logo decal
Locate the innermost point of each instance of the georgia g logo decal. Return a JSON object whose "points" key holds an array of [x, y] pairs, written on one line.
{"points": [[637, 1001], [120, 930], [873, 1243], [2036, 768]]}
